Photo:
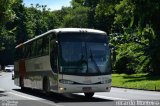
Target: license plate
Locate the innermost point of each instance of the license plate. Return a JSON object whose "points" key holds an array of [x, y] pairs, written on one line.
{"points": [[87, 89]]}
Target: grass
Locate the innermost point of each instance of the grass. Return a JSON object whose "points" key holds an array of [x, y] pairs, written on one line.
{"points": [[136, 81]]}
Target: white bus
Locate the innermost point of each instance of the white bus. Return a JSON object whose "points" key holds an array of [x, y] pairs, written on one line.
{"points": [[65, 60]]}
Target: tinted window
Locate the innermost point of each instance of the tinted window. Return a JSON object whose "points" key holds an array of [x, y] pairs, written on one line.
{"points": [[84, 54], [45, 46], [39, 47]]}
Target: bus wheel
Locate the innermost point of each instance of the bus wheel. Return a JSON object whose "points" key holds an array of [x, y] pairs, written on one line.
{"points": [[46, 85], [89, 95]]}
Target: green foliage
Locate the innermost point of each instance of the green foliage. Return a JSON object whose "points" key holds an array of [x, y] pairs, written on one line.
{"points": [[7, 29], [36, 20], [104, 15], [6, 12], [151, 50], [7, 39], [137, 25], [20, 33], [124, 13], [33, 21], [132, 26], [76, 17], [127, 61], [136, 81]]}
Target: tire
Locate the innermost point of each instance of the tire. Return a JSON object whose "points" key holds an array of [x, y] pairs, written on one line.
{"points": [[89, 95]]}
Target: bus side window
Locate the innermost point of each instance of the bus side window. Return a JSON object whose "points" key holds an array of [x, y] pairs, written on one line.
{"points": [[25, 51], [53, 54], [45, 46], [34, 49], [29, 50], [39, 47]]}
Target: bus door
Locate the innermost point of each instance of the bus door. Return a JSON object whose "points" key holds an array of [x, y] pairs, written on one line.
{"points": [[54, 62]]}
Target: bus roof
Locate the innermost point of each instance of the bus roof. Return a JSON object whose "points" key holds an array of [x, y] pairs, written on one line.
{"points": [[78, 30], [63, 30]]}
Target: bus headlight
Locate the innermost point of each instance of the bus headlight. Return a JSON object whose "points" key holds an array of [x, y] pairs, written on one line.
{"points": [[63, 81]]}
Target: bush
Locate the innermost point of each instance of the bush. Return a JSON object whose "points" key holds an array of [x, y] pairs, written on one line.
{"points": [[125, 65]]}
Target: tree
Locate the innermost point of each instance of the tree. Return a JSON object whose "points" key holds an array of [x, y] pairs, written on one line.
{"points": [[104, 15], [139, 23], [91, 5], [36, 20], [6, 12], [19, 22], [7, 16], [77, 17], [7, 31]]}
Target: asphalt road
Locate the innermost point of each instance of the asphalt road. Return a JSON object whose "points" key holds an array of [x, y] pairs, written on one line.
{"points": [[11, 95]]}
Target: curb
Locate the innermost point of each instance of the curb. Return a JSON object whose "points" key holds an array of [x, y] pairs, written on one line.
{"points": [[1, 90], [136, 89], [1, 71]]}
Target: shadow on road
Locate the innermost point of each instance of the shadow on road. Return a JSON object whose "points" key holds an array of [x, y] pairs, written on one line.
{"points": [[2, 93], [61, 98]]}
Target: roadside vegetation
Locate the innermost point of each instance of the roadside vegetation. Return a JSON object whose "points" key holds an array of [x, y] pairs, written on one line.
{"points": [[136, 81], [133, 27]]}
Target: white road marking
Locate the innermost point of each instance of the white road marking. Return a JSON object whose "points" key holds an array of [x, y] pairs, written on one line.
{"points": [[106, 97], [103, 97], [36, 99], [2, 90], [30, 98]]}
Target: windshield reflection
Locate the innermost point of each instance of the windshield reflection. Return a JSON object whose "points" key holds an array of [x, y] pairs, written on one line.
{"points": [[85, 58]]}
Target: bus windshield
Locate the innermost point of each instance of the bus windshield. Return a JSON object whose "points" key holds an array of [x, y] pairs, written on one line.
{"points": [[84, 54]]}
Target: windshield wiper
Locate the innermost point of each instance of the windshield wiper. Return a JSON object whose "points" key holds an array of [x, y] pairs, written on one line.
{"points": [[94, 62]]}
